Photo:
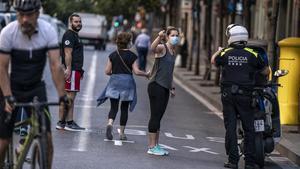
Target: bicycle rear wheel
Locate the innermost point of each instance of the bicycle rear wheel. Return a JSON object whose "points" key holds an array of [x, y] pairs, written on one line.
{"points": [[38, 155]]}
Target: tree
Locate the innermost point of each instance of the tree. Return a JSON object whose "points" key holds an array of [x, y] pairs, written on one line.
{"points": [[63, 8], [208, 39]]}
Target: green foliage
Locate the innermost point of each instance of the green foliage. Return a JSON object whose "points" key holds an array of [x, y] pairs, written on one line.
{"points": [[63, 8]]}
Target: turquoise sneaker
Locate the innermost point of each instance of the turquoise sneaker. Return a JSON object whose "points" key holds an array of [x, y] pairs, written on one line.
{"points": [[156, 151], [165, 151]]}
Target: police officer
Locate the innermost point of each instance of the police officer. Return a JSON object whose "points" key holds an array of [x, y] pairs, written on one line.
{"points": [[239, 68]]}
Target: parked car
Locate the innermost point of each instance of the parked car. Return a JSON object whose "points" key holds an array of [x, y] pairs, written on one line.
{"points": [[94, 30], [2, 22], [6, 18], [58, 25]]}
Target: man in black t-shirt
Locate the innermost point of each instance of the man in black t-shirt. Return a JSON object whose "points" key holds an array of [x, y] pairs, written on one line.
{"points": [[72, 60]]}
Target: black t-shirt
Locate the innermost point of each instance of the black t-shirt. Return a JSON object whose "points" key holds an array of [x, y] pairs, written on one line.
{"points": [[71, 40], [240, 66], [117, 65], [2, 102]]}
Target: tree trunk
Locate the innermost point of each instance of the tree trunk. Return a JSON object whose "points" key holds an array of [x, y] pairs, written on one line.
{"points": [[247, 7], [272, 46], [193, 38], [208, 40], [197, 65], [221, 14]]}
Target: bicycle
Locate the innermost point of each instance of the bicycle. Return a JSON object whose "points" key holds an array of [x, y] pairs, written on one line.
{"points": [[36, 139]]}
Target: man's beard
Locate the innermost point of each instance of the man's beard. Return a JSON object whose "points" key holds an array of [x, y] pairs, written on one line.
{"points": [[77, 28], [27, 28]]}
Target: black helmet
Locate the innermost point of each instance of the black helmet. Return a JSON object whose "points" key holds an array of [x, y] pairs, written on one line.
{"points": [[27, 5]]}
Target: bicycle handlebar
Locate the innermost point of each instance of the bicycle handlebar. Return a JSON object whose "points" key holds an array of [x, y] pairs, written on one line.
{"points": [[38, 104], [30, 104]]}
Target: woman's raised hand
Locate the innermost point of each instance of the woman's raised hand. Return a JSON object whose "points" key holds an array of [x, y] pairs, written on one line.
{"points": [[162, 34]]}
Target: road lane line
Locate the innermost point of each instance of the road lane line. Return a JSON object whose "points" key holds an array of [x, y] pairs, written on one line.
{"points": [[187, 136], [85, 118], [199, 98], [123, 141], [196, 150], [168, 147]]}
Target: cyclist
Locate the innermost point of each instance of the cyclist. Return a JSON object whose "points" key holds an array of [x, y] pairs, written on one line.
{"points": [[25, 45]]}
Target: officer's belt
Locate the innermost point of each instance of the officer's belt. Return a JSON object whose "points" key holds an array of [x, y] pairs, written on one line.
{"points": [[235, 89]]}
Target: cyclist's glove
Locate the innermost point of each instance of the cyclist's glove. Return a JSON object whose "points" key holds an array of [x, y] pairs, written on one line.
{"points": [[11, 100]]}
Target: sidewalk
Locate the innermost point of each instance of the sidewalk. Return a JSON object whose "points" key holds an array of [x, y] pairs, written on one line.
{"points": [[289, 145]]}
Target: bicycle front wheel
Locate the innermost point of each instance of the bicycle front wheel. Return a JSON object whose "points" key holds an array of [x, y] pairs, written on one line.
{"points": [[38, 156]]}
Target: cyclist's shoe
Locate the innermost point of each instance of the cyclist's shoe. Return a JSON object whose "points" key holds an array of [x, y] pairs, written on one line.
{"points": [[109, 129], [156, 151], [123, 137], [60, 125], [162, 149], [72, 126]]}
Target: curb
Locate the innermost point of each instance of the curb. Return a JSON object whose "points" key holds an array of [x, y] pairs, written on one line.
{"points": [[284, 147]]}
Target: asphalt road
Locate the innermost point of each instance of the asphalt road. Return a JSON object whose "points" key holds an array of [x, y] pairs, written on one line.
{"points": [[192, 133]]}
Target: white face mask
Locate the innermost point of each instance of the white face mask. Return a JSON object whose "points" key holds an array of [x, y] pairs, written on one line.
{"points": [[174, 40]]}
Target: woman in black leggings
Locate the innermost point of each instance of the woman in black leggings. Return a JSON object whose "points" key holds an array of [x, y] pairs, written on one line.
{"points": [[160, 85], [121, 86]]}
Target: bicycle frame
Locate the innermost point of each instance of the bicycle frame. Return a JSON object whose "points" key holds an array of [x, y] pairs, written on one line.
{"points": [[36, 130]]}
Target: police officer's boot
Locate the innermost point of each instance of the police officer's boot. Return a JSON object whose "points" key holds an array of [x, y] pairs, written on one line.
{"points": [[250, 167], [230, 165]]}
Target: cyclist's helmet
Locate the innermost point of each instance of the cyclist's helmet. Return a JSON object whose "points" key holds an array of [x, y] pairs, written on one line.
{"points": [[236, 33], [27, 5]]}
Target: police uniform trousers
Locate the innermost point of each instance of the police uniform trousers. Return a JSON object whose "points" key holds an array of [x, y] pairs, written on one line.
{"points": [[234, 105]]}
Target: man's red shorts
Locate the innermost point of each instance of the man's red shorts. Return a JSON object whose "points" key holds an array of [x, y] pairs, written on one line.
{"points": [[73, 84]]}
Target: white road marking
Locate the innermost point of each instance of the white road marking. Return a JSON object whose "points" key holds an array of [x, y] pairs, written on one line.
{"points": [[168, 147], [216, 139], [123, 141], [195, 150], [88, 106], [187, 136], [136, 126], [118, 143], [134, 132], [85, 118], [200, 98]]}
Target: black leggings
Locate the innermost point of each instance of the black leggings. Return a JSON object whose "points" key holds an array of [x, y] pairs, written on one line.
{"points": [[114, 106], [159, 97]]}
